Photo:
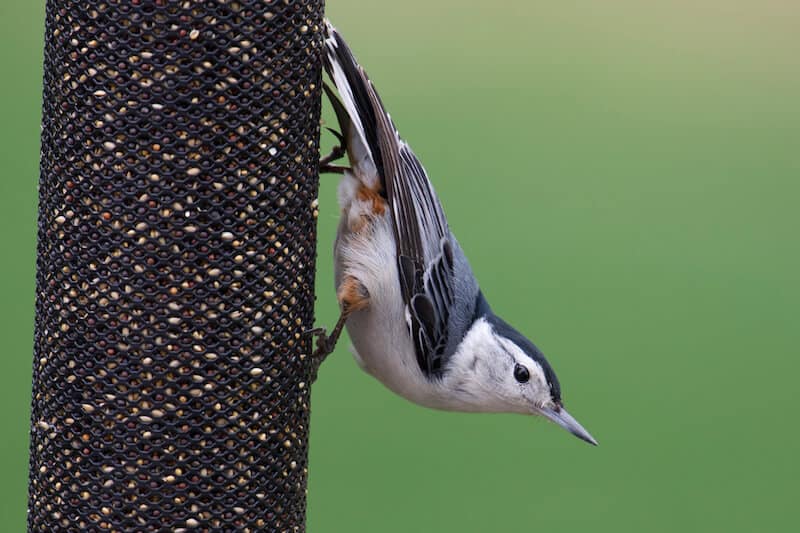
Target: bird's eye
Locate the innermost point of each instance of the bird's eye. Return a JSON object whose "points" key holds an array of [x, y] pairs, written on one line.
{"points": [[521, 373]]}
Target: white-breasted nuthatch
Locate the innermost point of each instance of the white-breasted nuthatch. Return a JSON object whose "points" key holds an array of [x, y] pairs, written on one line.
{"points": [[416, 316]]}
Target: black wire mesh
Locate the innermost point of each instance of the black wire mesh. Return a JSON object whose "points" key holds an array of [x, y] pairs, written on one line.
{"points": [[177, 227]]}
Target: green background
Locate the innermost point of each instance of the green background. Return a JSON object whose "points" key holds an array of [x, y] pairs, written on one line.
{"points": [[624, 177]]}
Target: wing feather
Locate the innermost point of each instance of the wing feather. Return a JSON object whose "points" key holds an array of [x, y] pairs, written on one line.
{"points": [[424, 248]]}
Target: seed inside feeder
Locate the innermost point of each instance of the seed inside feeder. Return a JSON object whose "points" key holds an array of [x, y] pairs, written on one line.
{"points": [[160, 329]]}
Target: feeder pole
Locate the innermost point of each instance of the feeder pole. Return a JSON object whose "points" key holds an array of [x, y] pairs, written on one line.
{"points": [[175, 266]]}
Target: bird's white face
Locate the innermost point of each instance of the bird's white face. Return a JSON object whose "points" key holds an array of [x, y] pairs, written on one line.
{"points": [[490, 373]]}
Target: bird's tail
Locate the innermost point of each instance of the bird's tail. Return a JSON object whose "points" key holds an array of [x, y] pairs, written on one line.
{"points": [[360, 113]]}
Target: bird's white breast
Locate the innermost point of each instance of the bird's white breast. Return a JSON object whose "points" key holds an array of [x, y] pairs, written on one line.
{"points": [[365, 249]]}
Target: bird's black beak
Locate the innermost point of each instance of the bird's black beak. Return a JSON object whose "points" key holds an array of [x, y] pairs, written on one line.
{"points": [[560, 416]]}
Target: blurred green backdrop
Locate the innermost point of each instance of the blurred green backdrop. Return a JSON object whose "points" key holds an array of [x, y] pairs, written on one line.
{"points": [[624, 177]]}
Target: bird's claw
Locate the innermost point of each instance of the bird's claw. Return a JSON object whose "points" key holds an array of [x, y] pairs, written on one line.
{"points": [[332, 169], [335, 154], [313, 332], [325, 345], [339, 137]]}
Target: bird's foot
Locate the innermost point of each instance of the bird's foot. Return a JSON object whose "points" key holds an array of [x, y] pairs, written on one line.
{"points": [[325, 345], [338, 152], [332, 169]]}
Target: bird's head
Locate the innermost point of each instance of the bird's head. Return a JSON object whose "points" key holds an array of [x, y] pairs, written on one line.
{"points": [[497, 369]]}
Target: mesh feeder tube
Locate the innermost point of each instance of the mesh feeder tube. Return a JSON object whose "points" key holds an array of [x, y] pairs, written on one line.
{"points": [[175, 265]]}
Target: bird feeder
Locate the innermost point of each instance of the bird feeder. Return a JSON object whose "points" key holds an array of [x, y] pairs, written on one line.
{"points": [[175, 265]]}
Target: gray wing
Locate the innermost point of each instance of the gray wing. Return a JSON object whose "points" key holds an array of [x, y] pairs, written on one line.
{"points": [[424, 256], [424, 249], [428, 268]]}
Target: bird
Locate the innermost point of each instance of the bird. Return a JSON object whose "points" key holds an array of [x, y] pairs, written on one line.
{"points": [[417, 318]]}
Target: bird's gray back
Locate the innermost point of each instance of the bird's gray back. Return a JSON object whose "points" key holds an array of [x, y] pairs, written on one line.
{"points": [[465, 296]]}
